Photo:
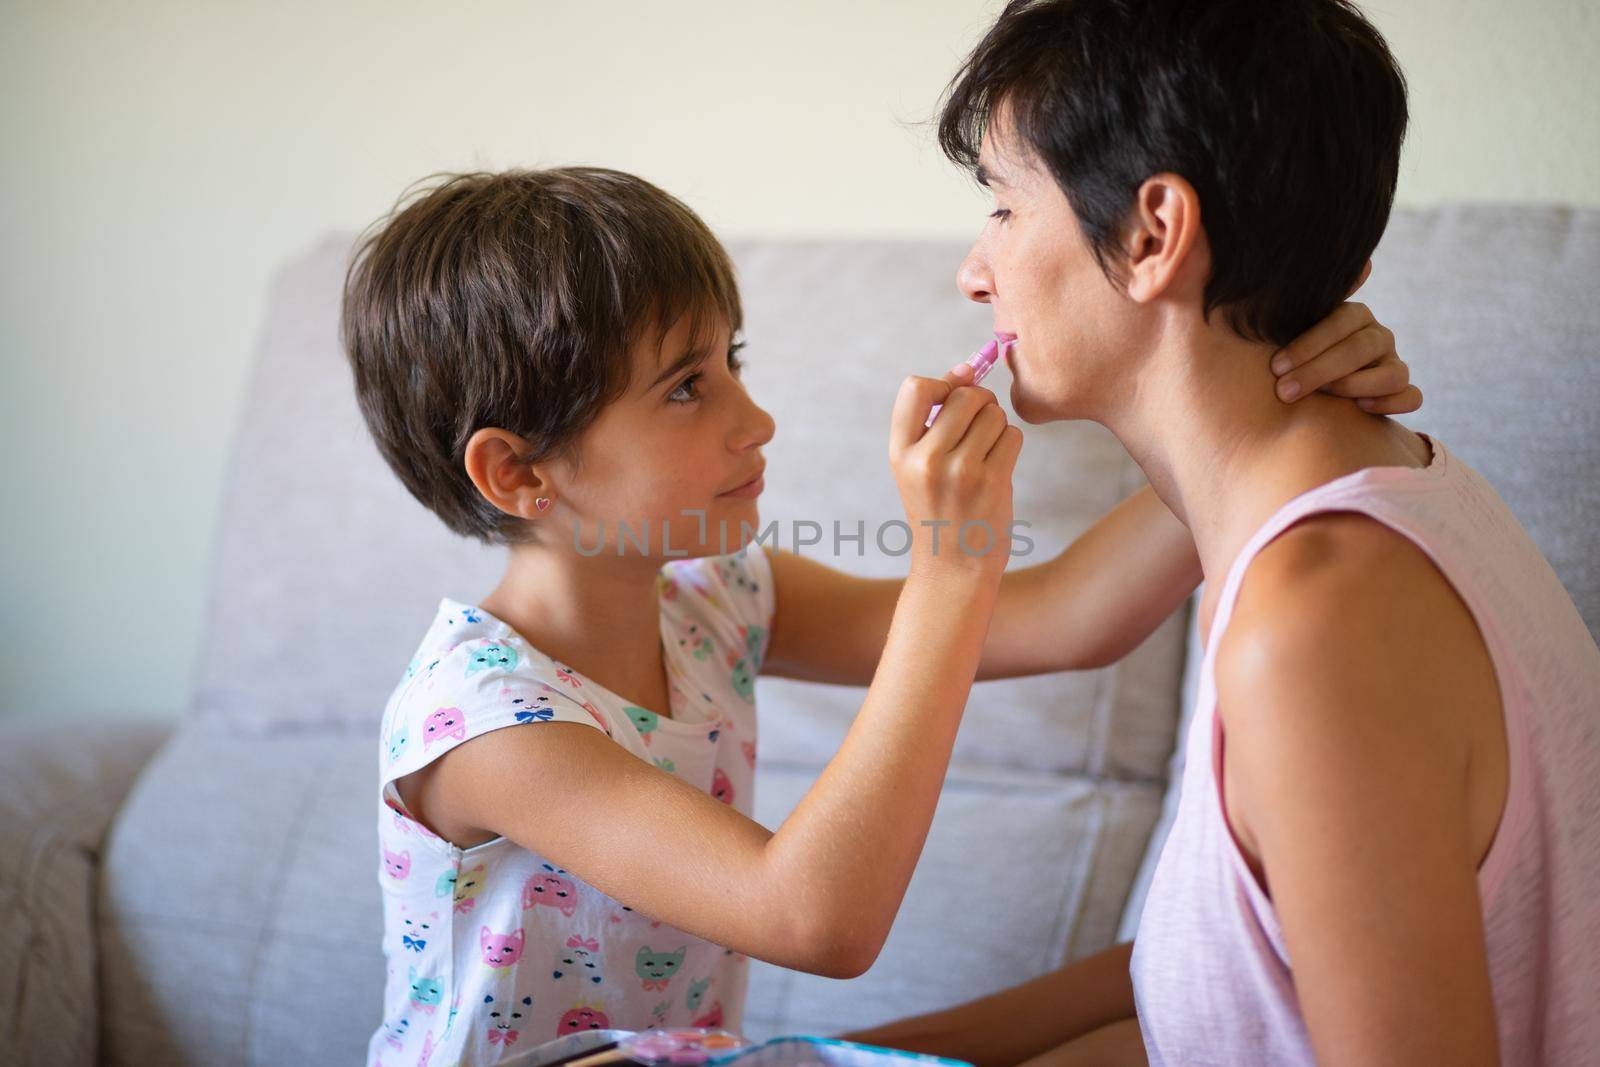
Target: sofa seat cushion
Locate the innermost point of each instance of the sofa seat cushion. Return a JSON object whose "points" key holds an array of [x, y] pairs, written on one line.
{"points": [[239, 910]]}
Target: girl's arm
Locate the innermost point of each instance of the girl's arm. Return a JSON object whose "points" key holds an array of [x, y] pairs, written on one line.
{"points": [[1087, 607], [821, 892], [1096, 601]]}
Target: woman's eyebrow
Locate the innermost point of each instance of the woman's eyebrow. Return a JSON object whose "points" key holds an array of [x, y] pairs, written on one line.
{"points": [[986, 177]]}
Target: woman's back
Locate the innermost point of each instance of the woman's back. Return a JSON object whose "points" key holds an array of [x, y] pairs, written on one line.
{"points": [[1211, 972]]}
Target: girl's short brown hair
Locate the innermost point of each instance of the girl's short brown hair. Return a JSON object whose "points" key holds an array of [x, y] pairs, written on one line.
{"points": [[512, 300]]}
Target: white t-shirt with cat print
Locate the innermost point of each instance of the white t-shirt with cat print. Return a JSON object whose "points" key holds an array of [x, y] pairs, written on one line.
{"points": [[494, 949]]}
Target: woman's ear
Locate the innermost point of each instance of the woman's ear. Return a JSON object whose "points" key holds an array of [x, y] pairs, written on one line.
{"points": [[1163, 231], [494, 463]]}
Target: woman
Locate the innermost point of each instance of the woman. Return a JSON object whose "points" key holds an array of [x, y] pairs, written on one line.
{"points": [[1407, 813]]}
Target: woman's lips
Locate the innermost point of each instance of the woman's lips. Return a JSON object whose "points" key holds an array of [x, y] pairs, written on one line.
{"points": [[1008, 348]]}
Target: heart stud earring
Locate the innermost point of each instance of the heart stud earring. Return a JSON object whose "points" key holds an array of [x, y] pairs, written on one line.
{"points": [[542, 503]]}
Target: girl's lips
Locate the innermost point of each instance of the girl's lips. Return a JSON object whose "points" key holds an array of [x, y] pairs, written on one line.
{"points": [[749, 490]]}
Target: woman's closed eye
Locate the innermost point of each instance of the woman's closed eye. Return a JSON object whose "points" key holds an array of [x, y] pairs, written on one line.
{"points": [[1001, 213], [679, 396]]}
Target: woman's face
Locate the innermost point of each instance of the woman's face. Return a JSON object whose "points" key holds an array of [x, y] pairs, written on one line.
{"points": [[684, 434], [1033, 267]]}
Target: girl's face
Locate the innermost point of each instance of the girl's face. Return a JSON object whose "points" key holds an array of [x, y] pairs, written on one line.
{"points": [[684, 435], [1034, 268]]}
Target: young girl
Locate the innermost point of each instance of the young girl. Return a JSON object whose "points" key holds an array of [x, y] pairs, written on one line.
{"points": [[547, 361]]}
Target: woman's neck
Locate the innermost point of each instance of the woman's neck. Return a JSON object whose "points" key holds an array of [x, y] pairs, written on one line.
{"points": [[1202, 420]]}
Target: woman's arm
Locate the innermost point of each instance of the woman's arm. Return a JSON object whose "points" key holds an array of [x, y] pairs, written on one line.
{"points": [[1025, 1021], [1118, 1044], [1353, 683]]}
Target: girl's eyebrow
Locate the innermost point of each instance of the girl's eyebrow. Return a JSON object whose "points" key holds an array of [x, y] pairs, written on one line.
{"points": [[691, 356]]}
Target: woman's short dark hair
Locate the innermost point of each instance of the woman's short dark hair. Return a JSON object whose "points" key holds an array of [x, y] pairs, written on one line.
{"points": [[512, 300], [1285, 115]]}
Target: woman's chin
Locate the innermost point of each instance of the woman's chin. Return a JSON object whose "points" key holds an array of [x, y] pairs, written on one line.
{"points": [[1029, 407]]}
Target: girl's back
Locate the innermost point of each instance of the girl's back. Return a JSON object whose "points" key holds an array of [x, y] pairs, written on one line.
{"points": [[493, 947]]}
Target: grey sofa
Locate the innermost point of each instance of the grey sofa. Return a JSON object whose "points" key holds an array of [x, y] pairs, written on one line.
{"points": [[204, 891]]}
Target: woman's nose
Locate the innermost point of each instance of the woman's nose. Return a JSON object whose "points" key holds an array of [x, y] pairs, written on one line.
{"points": [[974, 278]]}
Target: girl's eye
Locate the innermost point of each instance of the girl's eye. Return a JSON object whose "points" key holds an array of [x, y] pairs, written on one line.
{"points": [[1001, 213], [679, 396], [735, 364]]}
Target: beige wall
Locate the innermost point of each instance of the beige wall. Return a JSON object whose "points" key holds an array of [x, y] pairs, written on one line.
{"points": [[161, 158]]}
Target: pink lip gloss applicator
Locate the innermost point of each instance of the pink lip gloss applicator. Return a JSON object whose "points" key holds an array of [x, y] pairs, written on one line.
{"points": [[982, 362]]}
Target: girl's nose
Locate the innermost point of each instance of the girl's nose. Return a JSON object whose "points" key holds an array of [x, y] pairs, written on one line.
{"points": [[766, 426], [757, 426]]}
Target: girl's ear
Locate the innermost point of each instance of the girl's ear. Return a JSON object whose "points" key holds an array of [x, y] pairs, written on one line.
{"points": [[494, 463]]}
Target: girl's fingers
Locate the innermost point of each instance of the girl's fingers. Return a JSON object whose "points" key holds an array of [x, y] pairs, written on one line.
{"points": [[1410, 399], [912, 403], [955, 419], [984, 430], [1385, 378], [1343, 321], [1008, 447], [1368, 347]]}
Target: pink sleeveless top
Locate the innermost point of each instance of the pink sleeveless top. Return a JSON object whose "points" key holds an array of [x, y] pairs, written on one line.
{"points": [[1212, 979]]}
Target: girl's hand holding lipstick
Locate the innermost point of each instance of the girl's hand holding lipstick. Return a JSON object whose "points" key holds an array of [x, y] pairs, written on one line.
{"points": [[954, 470]]}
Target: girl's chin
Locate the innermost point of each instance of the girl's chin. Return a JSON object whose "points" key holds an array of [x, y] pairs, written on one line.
{"points": [[727, 522], [734, 509], [737, 514]]}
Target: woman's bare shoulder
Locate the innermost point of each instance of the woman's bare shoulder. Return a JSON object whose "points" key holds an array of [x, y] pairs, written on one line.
{"points": [[1348, 583], [1345, 629]]}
